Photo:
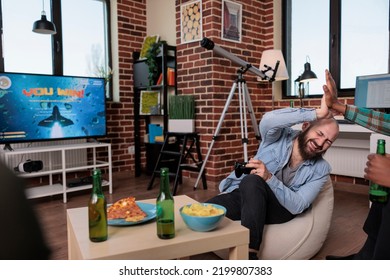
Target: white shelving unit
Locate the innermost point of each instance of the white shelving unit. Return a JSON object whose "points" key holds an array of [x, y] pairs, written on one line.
{"points": [[63, 168]]}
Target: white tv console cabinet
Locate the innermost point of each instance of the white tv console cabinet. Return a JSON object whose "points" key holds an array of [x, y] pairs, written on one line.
{"points": [[63, 167]]}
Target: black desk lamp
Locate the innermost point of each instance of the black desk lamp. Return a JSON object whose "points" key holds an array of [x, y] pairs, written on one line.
{"points": [[302, 82]]}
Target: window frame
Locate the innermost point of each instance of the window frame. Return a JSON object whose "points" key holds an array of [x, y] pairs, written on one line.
{"points": [[56, 41], [334, 47]]}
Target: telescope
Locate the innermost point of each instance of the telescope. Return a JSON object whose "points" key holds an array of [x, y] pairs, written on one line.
{"points": [[209, 45], [243, 94], [244, 101]]}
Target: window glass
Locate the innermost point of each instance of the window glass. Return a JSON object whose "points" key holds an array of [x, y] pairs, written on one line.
{"points": [[365, 39], [24, 50], [309, 41], [84, 38], [84, 41], [361, 45]]}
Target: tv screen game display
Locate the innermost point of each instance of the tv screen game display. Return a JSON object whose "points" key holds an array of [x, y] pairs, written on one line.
{"points": [[37, 107]]}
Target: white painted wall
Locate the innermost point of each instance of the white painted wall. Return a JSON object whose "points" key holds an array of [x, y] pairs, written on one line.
{"points": [[278, 42], [161, 20], [115, 50], [278, 24]]}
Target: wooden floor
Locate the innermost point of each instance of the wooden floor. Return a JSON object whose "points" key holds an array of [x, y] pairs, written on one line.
{"points": [[345, 234]]}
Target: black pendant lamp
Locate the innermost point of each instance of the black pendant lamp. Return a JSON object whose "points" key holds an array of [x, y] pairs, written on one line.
{"points": [[43, 26]]}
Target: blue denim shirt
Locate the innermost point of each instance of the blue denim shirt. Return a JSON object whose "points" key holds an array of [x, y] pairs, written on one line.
{"points": [[275, 150]]}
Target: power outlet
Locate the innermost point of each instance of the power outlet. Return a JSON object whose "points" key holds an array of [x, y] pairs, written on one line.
{"points": [[131, 150]]}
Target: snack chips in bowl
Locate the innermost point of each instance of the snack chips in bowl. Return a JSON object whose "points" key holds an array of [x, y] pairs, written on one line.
{"points": [[202, 210], [202, 216]]}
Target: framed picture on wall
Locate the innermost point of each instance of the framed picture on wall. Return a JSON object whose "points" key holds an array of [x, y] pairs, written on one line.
{"points": [[191, 22], [150, 103], [231, 21], [147, 44]]}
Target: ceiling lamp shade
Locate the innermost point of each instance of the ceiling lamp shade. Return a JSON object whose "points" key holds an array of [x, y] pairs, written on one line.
{"points": [[43, 26], [272, 64]]}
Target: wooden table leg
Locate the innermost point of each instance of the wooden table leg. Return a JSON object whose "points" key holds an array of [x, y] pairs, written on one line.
{"points": [[239, 252]]}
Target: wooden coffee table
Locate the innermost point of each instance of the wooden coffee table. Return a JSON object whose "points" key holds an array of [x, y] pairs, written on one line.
{"points": [[141, 242]]}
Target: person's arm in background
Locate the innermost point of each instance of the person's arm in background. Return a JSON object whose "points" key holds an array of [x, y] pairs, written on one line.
{"points": [[377, 169], [368, 118], [330, 92], [377, 166]]}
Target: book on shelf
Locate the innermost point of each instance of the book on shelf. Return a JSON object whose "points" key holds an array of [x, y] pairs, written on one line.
{"points": [[159, 81]]}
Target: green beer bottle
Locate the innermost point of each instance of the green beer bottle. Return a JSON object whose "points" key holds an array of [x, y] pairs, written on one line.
{"points": [[97, 210], [378, 193], [165, 217]]}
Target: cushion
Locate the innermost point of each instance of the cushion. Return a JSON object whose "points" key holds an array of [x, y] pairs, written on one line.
{"points": [[302, 237]]}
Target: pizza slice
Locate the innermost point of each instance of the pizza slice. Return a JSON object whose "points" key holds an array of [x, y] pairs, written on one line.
{"points": [[126, 208]]}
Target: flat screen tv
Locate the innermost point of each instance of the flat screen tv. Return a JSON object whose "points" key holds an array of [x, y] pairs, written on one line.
{"points": [[36, 107], [373, 91]]}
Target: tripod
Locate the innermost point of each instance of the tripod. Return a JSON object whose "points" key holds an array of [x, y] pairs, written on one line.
{"points": [[244, 101]]}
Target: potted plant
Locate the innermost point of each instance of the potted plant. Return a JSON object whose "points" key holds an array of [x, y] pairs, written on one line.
{"points": [[151, 62], [105, 73], [181, 113]]}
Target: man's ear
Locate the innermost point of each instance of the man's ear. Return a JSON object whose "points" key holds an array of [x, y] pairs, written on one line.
{"points": [[305, 126]]}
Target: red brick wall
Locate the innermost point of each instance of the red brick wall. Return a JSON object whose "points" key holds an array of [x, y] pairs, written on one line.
{"points": [[131, 33], [201, 73], [210, 78]]}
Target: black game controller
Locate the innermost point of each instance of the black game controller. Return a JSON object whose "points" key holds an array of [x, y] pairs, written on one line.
{"points": [[240, 168]]}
